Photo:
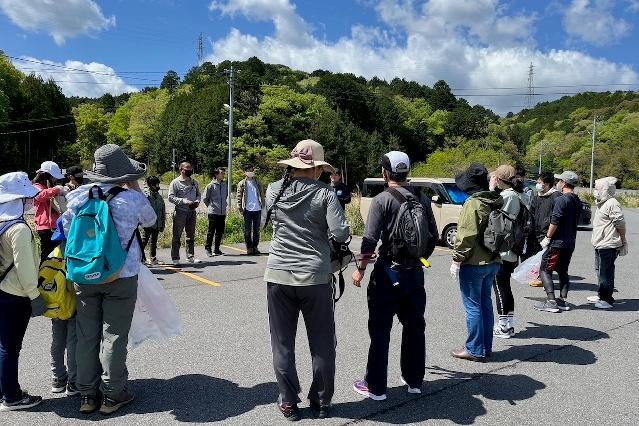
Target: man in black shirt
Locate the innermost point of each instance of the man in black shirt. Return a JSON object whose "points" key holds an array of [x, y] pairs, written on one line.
{"points": [[341, 190], [394, 289], [559, 243]]}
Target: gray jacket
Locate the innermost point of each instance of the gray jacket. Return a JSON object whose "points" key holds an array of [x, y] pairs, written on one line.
{"points": [[215, 198], [512, 205], [304, 217], [182, 191]]}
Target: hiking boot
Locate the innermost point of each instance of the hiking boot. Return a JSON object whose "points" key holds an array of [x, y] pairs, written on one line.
{"points": [[602, 304], [209, 253], [548, 306], [58, 385], [320, 411], [414, 391], [89, 404], [361, 387], [72, 389], [27, 401], [536, 283], [465, 355], [561, 304], [111, 405], [503, 332], [290, 411]]}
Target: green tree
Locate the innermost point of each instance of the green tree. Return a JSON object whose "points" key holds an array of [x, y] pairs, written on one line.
{"points": [[92, 124], [171, 81]]}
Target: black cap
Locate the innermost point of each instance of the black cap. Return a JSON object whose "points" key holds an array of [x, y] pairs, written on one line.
{"points": [[74, 170]]}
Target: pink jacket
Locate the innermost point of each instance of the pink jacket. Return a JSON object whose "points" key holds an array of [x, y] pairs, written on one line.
{"points": [[45, 214]]}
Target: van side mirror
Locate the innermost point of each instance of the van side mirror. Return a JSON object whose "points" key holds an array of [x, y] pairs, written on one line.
{"points": [[436, 199]]}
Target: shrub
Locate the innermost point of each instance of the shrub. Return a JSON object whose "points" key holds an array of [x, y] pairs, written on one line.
{"points": [[354, 216]]}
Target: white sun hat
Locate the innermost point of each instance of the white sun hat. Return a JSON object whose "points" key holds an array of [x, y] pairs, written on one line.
{"points": [[16, 185], [52, 168]]}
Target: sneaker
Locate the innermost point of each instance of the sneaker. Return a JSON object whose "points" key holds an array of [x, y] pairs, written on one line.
{"points": [[256, 252], [592, 299], [548, 306], [209, 253], [503, 332], [361, 388], [194, 260], [249, 252], [72, 389], [89, 404], [415, 391], [602, 304], [27, 401], [58, 386], [218, 253], [290, 411], [154, 262], [176, 262], [563, 305], [536, 283], [110, 405], [320, 411]]}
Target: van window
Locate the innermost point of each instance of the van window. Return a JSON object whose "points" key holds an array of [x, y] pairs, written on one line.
{"points": [[457, 196], [371, 189]]}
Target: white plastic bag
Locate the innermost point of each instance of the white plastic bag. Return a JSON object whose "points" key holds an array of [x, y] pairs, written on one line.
{"points": [[155, 316], [529, 270]]}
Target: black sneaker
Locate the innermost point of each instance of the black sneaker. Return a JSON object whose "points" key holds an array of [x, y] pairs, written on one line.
{"points": [[320, 411], [562, 305], [72, 389], [110, 405], [256, 252], [218, 253], [548, 306], [290, 411], [27, 401], [58, 385], [209, 253], [89, 404]]}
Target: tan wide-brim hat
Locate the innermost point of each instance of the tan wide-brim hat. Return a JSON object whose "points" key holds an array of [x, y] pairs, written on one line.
{"points": [[306, 155]]}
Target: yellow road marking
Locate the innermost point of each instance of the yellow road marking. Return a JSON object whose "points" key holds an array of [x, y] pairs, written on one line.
{"points": [[239, 250], [194, 276]]}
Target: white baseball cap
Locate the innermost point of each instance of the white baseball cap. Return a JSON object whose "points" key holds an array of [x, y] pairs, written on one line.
{"points": [[52, 168], [396, 162]]}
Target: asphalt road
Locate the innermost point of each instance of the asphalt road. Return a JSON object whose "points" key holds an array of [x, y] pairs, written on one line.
{"points": [[577, 367]]}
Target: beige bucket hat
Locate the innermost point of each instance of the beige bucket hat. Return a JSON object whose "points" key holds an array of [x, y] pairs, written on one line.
{"points": [[307, 154]]}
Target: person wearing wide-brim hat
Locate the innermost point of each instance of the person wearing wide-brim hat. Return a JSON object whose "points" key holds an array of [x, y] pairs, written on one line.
{"points": [[105, 310], [19, 295], [305, 213]]}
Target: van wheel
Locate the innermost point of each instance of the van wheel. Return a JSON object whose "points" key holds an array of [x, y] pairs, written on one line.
{"points": [[450, 236]]}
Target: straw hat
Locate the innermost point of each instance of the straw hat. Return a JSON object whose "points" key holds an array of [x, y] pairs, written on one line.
{"points": [[306, 155]]}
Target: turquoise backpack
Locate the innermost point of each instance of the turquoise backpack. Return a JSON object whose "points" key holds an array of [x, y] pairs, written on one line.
{"points": [[93, 252]]}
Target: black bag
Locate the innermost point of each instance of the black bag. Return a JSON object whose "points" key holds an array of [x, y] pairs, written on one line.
{"points": [[499, 235], [523, 228], [341, 256], [409, 239]]}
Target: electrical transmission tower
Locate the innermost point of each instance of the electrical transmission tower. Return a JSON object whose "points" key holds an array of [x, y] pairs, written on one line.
{"points": [[531, 87], [200, 49]]}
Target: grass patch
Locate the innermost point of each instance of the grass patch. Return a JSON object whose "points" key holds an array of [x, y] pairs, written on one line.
{"points": [[354, 216]]}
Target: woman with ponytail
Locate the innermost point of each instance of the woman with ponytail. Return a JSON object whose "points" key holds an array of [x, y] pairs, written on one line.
{"points": [[305, 215]]}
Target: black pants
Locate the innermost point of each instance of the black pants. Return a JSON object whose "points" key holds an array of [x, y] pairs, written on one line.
{"points": [[503, 292], [150, 236], [605, 265], [407, 300], [556, 260], [216, 229], [46, 245], [15, 313], [252, 229], [285, 302]]}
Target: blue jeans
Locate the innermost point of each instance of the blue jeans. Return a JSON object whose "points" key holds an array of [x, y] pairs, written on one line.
{"points": [[605, 265], [475, 282], [15, 313]]}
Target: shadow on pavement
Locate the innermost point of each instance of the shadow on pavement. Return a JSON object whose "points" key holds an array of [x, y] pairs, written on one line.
{"points": [[542, 352], [189, 398], [455, 397], [569, 332]]}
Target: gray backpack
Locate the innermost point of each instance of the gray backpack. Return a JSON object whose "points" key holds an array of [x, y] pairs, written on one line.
{"points": [[499, 235], [409, 239]]}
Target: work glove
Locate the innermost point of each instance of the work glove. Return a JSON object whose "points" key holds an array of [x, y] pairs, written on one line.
{"points": [[38, 307], [545, 242], [623, 250], [454, 270]]}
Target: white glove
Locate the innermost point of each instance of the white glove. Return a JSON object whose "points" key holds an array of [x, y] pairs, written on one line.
{"points": [[623, 250], [454, 270], [545, 242]]}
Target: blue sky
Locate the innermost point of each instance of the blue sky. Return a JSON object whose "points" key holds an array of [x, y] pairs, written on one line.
{"points": [[472, 44]]}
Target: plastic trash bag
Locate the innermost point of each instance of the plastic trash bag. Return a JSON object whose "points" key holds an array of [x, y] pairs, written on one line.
{"points": [[155, 316], [529, 270]]}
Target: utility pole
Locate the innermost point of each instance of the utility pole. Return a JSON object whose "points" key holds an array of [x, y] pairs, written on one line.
{"points": [[29, 151], [541, 147], [592, 154], [173, 163], [531, 87], [231, 82], [200, 49]]}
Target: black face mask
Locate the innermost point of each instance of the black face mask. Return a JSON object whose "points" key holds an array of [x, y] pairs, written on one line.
{"points": [[155, 188], [188, 173]]}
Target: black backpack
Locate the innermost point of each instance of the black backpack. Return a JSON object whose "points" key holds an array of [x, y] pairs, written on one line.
{"points": [[410, 237], [504, 232]]}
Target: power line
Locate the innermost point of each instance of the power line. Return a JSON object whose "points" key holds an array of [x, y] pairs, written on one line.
{"points": [[36, 130], [36, 120]]}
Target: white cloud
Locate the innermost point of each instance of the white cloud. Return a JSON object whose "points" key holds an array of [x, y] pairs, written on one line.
{"points": [[72, 79], [425, 47], [594, 23], [62, 19]]}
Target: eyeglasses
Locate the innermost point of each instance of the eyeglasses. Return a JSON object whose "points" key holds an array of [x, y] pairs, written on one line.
{"points": [[305, 154]]}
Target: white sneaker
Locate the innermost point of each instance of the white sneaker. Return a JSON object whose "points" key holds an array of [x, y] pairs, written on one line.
{"points": [[194, 260], [415, 391], [592, 299], [503, 332], [176, 262], [602, 304]]}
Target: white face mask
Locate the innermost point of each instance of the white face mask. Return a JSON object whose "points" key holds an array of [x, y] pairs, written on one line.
{"points": [[596, 194], [539, 187], [250, 174]]}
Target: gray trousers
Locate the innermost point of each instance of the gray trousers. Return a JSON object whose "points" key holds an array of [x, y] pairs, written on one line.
{"points": [[104, 319], [183, 221], [64, 339], [316, 303]]}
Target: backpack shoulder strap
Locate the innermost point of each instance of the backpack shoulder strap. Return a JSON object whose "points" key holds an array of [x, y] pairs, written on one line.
{"points": [[111, 193], [397, 195], [4, 227]]}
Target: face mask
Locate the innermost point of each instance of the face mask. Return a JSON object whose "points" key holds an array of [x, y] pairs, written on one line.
{"points": [[250, 174], [596, 194], [188, 173], [539, 187], [155, 188], [559, 187]]}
